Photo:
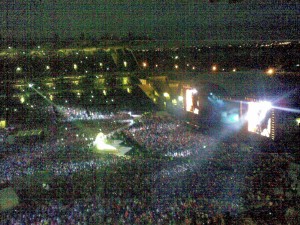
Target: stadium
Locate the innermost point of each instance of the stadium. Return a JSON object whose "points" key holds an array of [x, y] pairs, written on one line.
{"points": [[104, 143]]}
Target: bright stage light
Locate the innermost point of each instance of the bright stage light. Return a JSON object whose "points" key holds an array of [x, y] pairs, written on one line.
{"points": [[166, 95], [258, 110], [258, 122], [101, 145], [298, 121], [194, 91], [180, 98]]}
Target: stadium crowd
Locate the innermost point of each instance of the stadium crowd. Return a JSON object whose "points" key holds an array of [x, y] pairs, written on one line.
{"points": [[198, 179]]}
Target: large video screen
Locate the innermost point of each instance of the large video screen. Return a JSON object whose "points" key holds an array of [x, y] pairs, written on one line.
{"points": [[189, 100], [259, 118]]}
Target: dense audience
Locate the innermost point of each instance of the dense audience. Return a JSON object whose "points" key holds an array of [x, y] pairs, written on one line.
{"points": [[197, 179]]}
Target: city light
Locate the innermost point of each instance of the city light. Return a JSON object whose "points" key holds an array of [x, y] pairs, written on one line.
{"points": [[194, 91], [75, 66], [176, 66], [234, 70], [18, 69], [145, 64], [214, 68], [125, 64], [166, 95], [47, 67], [2, 123], [180, 98], [270, 71], [22, 99]]}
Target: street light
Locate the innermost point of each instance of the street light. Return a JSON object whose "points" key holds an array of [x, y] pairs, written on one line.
{"points": [[270, 71], [214, 68]]}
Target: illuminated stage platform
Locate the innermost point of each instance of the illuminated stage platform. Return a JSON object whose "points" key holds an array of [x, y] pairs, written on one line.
{"points": [[113, 147]]}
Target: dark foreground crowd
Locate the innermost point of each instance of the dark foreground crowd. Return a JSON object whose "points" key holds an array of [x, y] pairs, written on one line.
{"points": [[193, 179]]}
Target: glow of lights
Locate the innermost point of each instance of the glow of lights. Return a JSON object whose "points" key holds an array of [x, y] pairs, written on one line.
{"points": [[193, 68], [156, 65], [128, 90], [22, 99], [51, 97], [257, 112], [101, 64], [100, 143], [298, 121], [18, 69], [125, 80], [75, 66], [30, 85], [47, 67], [189, 100], [176, 57], [166, 95], [196, 111], [176, 66], [194, 91], [2, 123], [234, 70], [145, 64], [180, 98], [125, 64], [270, 71], [214, 68]]}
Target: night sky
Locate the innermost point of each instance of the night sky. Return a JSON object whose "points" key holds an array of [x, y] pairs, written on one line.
{"points": [[162, 20]]}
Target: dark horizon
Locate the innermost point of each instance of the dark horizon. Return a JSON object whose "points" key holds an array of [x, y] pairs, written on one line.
{"points": [[176, 20]]}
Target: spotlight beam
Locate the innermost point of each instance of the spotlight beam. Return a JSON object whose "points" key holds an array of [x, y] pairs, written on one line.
{"points": [[39, 93]]}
